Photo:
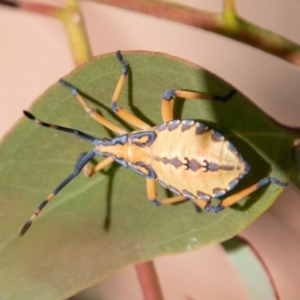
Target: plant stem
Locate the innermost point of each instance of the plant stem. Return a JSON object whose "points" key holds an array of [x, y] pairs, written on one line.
{"points": [[149, 281], [72, 19], [226, 23]]}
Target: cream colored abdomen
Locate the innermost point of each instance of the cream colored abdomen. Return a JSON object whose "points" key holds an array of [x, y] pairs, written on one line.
{"points": [[191, 159]]}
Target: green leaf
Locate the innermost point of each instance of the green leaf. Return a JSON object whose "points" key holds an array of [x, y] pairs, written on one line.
{"points": [[295, 166], [98, 225], [251, 269]]}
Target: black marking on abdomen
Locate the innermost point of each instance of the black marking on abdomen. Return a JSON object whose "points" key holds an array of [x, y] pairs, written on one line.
{"points": [[186, 124], [122, 140], [232, 184], [192, 164], [216, 136], [172, 125], [165, 160], [161, 127], [203, 196], [217, 192], [173, 161], [174, 190], [187, 194], [135, 138], [201, 128], [162, 184], [119, 160], [176, 162], [214, 167], [142, 169], [232, 148]]}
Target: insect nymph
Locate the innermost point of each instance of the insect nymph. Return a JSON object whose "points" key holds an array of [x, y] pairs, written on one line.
{"points": [[189, 158]]}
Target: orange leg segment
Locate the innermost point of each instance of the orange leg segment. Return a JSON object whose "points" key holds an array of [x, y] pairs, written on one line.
{"points": [[206, 204], [169, 96], [91, 112], [120, 111], [98, 167], [242, 194], [151, 193]]}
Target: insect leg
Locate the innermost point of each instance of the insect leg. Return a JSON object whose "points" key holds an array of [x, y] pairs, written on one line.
{"points": [[78, 167], [91, 112], [151, 193], [169, 95], [98, 167], [242, 194], [120, 111]]}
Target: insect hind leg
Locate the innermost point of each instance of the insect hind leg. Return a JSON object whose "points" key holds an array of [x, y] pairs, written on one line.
{"points": [[228, 201]]}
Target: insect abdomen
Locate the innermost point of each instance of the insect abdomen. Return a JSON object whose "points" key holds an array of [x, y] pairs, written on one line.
{"points": [[192, 159]]}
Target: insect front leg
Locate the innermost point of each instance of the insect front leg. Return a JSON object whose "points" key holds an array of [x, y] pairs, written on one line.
{"points": [[78, 167], [93, 114], [169, 95], [120, 111]]}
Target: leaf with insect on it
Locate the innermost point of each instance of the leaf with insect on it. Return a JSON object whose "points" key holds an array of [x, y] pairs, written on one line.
{"points": [[98, 225]]}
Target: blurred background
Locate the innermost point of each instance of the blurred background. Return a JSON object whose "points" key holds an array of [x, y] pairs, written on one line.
{"points": [[34, 54]]}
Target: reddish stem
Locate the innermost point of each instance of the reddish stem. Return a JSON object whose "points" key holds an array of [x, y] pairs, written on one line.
{"points": [[149, 281], [48, 10], [41, 8]]}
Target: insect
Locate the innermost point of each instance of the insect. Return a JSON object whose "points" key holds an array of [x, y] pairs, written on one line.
{"points": [[189, 158]]}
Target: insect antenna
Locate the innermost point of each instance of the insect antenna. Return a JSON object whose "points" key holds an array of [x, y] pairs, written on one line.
{"points": [[82, 161], [76, 132]]}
